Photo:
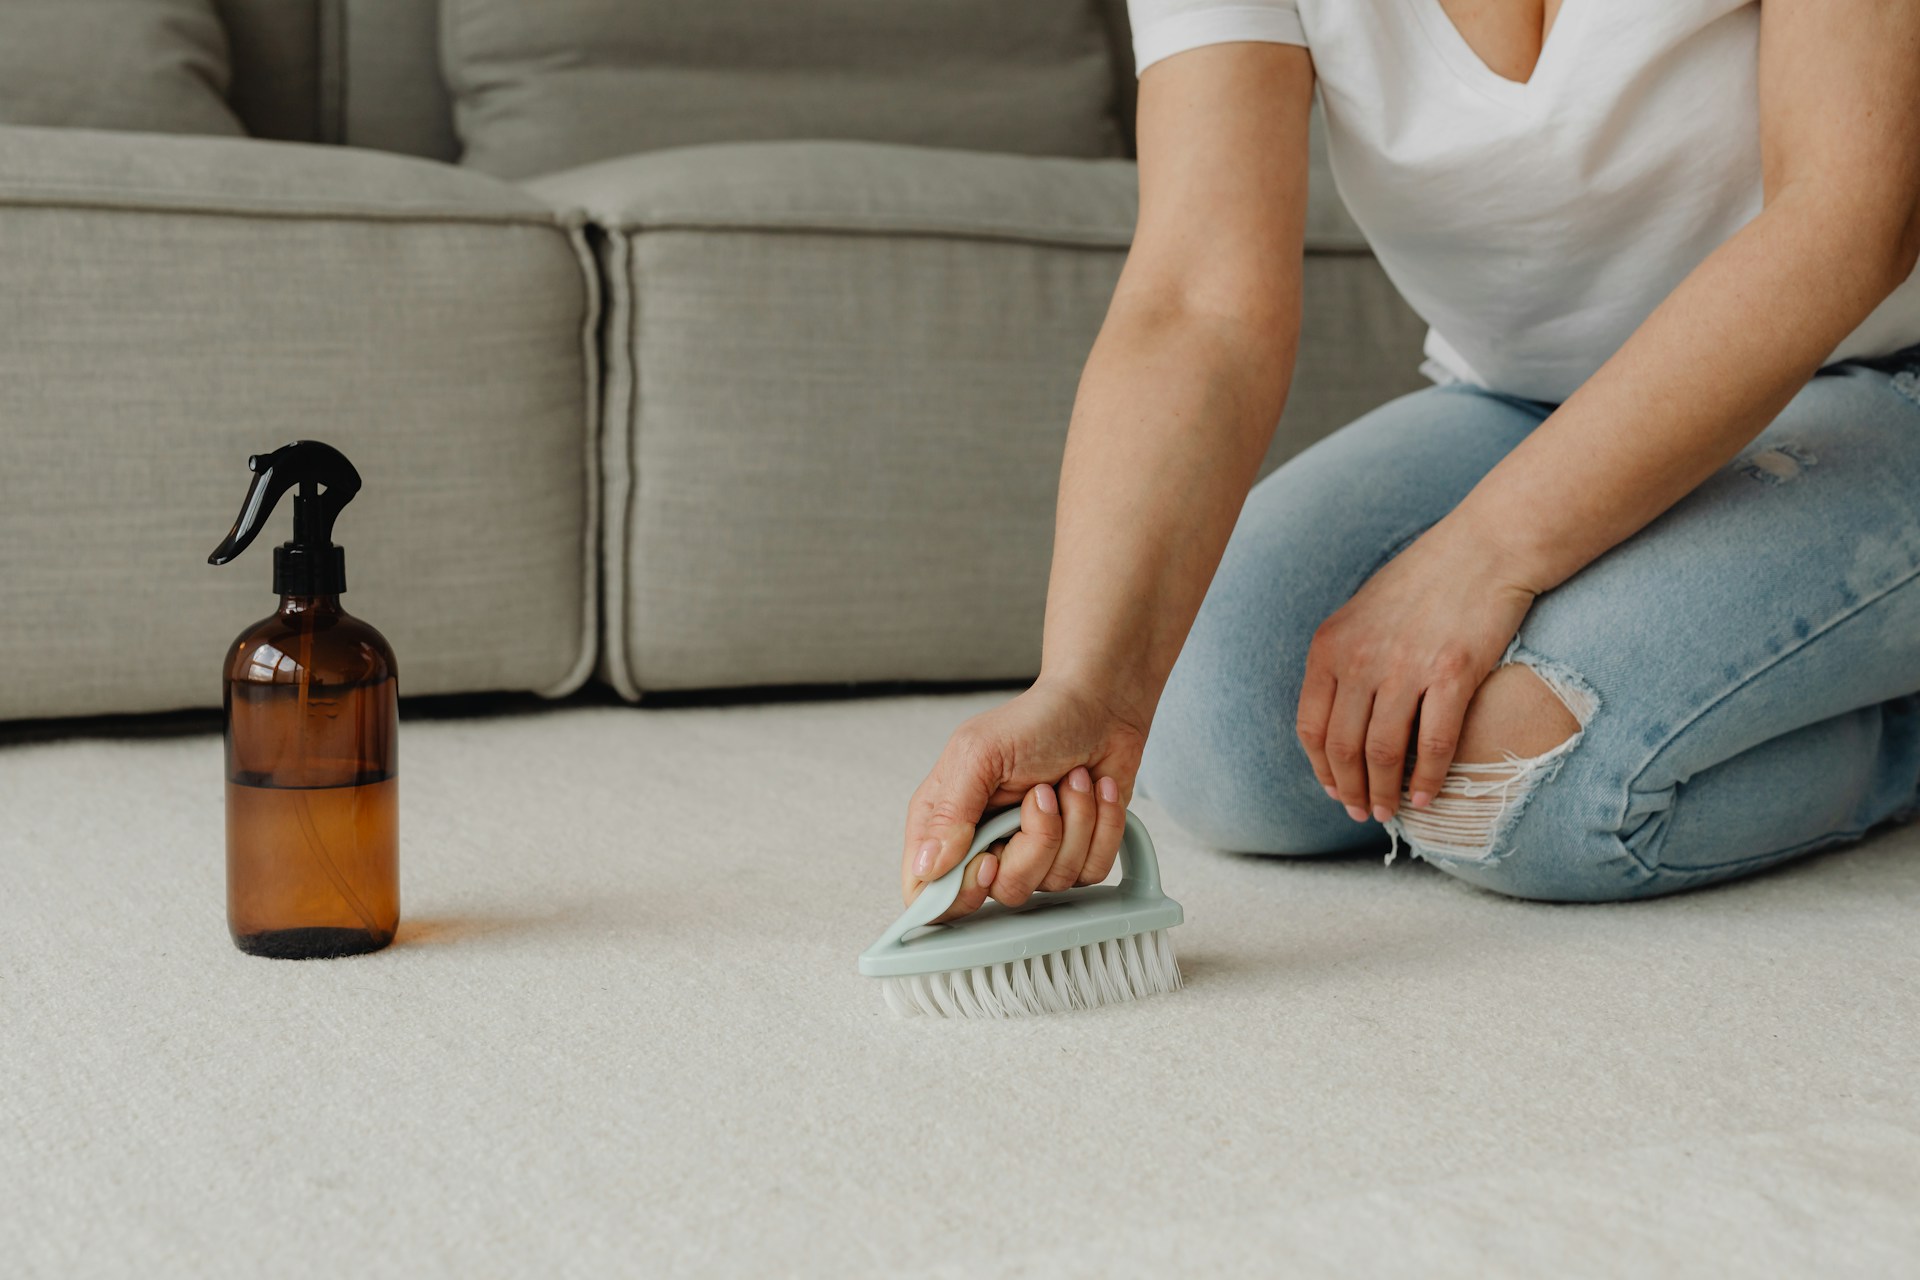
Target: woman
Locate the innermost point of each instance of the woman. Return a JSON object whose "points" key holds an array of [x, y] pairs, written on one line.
{"points": [[1629, 601]]}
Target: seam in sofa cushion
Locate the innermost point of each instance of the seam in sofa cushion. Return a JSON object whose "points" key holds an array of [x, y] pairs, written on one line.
{"points": [[149, 201], [583, 665], [826, 222], [622, 405]]}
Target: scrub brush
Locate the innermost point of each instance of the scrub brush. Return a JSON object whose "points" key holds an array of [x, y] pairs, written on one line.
{"points": [[1058, 951]]}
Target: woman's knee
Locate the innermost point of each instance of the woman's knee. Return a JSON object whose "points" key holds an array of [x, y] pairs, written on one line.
{"points": [[1214, 797], [1221, 758], [1223, 763], [1215, 767]]}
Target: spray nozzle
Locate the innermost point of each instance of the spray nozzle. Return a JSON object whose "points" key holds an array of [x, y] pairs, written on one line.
{"points": [[309, 565]]}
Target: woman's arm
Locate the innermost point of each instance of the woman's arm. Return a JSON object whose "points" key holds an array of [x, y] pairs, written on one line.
{"points": [[1177, 404], [1184, 387], [1700, 378], [1706, 372]]}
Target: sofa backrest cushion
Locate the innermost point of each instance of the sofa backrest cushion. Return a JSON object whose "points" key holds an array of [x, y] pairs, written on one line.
{"points": [[365, 73], [549, 86], [157, 66], [276, 89], [391, 94]]}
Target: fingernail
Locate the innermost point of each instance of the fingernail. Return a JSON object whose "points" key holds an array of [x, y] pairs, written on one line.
{"points": [[1331, 793], [1109, 791], [989, 868], [1422, 799], [1044, 797], [1080, 780], [1355, 812], [1380, 814], [923, 861]]}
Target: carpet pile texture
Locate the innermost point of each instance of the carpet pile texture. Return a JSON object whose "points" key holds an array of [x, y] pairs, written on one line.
{"points": [[621, 1034]]}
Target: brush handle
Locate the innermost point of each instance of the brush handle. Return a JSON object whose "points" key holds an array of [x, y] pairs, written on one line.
{"points": [[1139, 871]]}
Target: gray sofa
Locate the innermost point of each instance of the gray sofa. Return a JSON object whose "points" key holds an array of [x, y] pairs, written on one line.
{"points": [[718, 362]]}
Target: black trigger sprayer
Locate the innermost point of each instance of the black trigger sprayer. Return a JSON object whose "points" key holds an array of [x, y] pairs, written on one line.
{"points": [[309, 564], [312, 718]]}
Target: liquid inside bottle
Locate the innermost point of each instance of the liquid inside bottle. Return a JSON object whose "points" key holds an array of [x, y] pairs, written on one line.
{"points": [[312, 785]]}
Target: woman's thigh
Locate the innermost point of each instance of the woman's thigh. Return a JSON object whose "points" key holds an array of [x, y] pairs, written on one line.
{"points": [[1222, 758], [1744, 666]]}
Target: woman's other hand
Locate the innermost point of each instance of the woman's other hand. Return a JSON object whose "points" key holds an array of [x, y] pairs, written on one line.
{"points": [[1059, 753], [1412, 646]]}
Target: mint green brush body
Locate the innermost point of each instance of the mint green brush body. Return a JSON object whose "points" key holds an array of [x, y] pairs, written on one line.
{"points": [[1059, 951]]}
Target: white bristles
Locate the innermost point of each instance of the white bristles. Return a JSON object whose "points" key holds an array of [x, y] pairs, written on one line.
{"points": [[1077, 978]]}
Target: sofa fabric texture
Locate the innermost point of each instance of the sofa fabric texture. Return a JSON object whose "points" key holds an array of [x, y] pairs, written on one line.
{"points": [[173, 305], [151, 65], [824, 362], [541, 88]]}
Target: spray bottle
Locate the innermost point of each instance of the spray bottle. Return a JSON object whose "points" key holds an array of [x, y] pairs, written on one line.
{"points": [[313, 865]]}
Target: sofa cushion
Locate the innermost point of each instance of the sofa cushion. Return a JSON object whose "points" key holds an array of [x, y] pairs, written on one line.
{"points": [[540, 88], [838, 377], [175, 304], [152, 65]]}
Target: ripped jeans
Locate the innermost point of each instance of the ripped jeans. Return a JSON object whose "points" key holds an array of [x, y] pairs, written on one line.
{"points": [[1744, 670]]}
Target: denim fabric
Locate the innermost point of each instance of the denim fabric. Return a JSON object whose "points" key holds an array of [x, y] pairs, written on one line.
{"points": [[1752, 656]]}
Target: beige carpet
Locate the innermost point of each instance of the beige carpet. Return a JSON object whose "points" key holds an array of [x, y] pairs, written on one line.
{"points": [[622, 1035]]}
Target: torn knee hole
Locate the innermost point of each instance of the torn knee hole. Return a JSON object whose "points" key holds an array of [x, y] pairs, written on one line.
{"points": [[1473, 808], [1479, 801]]}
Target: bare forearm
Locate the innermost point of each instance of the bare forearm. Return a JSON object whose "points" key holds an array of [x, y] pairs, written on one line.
{"points": [[1694, 385], [1174, 414]]}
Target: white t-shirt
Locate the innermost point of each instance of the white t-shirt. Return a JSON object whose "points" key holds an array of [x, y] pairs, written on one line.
{"points": [[1532, 226]]}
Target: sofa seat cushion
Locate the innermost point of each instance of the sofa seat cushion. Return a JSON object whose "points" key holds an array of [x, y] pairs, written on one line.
{"points": [[158, 65], [838, 377], [541, 88], [173, 305]]}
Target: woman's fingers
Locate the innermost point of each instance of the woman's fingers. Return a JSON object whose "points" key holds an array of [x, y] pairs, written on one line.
{"points": [[1108, 827], [1347, 747], [975, 883], [1078, 813], [1069, 835], [1317, 688], [1386, 751], [1442, 711], [1034, 849], [944, 811]]}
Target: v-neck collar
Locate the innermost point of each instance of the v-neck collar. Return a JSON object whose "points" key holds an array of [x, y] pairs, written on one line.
{"points": [[1473, 70]]}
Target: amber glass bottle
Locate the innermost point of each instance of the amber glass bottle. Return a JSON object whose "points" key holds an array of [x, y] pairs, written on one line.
{"points": [[313, 814], [313, 845]]}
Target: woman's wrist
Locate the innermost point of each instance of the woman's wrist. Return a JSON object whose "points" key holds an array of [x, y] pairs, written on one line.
{"points": [[1127, 698], [1497, 547]]}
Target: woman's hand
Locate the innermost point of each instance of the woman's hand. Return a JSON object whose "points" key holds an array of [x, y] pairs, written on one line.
{"points": [[1414, 643], [1069, 762]]}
